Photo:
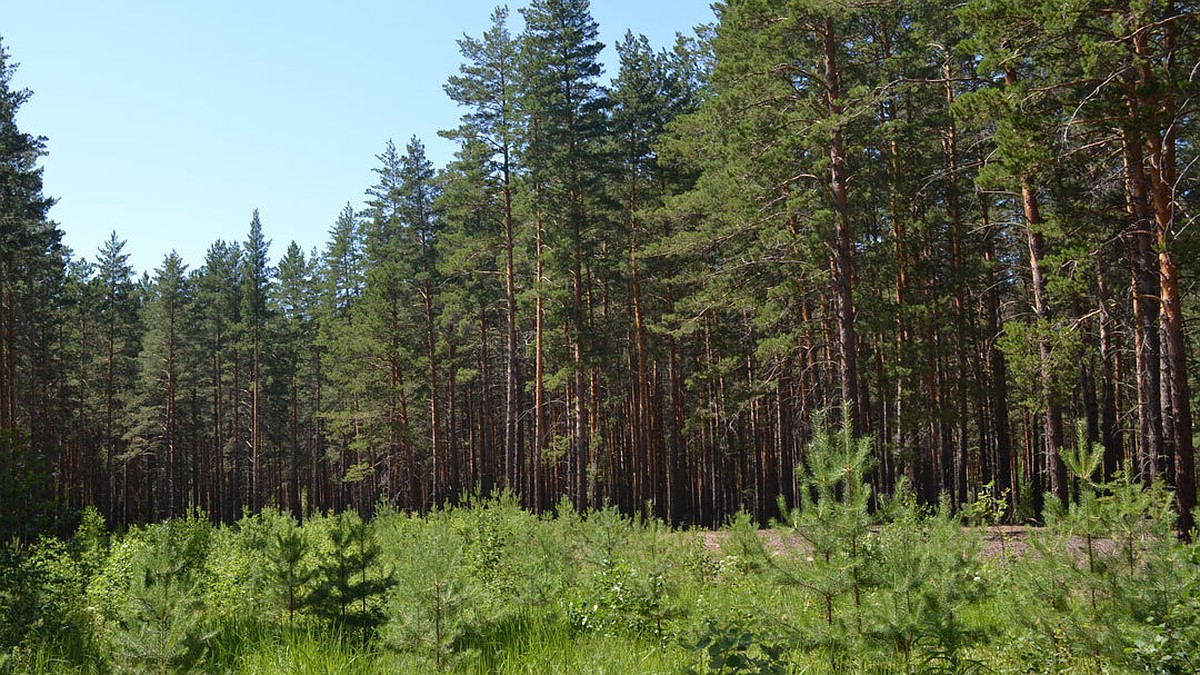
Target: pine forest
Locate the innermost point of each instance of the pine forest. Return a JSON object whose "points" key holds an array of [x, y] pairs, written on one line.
{"points": [[882, 277]]}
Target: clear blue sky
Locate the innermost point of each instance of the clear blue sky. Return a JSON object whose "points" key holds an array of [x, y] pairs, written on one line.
{"points": [[171, 121]]}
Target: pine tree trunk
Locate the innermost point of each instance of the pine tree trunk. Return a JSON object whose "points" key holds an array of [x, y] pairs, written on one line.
{"points": [[435, 418], [486, 423], [1145, 292], [841, 262], [453, 480], [216, 456], [512, 391], [255, 440], [172, 436], [294, 501], [1052, 412], [541, 483], [239, 451], [950, 152], [8, 358], [110, 447], [1162, 183], [679, 495], [1185, 463], [1111, 434]]}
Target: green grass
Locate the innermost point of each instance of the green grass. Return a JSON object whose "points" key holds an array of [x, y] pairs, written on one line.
{"points": [[512, 592]]}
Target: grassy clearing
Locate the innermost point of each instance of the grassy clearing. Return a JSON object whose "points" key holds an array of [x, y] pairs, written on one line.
{"points": [[486, 587]]}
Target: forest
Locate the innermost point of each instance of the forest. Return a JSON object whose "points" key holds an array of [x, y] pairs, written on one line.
{"points": [[961, 230], [951, 241], [964, 229]]}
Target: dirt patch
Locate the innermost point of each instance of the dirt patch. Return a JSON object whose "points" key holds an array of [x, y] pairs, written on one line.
{"points": [[1000, 541]]}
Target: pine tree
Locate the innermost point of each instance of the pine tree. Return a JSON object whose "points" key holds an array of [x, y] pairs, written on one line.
{"points": [[32, 270], [26, 235], [340, 343], [470, 262], [157, 415], [418, 193], [650, 90], [255, 275], [219, 302], [288, 571], [487, 86], [386, 321], [770, 235], [121, 334], [349, 582], [431, 607], [295, 308], [161, 630], [563, 101]]}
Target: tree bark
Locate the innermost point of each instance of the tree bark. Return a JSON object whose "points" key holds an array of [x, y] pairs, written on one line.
{"points": [[1052, 411], [1145, 293], [842, 246]]}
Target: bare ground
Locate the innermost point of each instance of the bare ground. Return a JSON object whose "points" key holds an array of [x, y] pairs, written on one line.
{"points": [[1000, 541]]}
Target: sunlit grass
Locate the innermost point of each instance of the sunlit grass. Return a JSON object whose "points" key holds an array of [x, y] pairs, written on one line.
{"points": [[608, 594]]}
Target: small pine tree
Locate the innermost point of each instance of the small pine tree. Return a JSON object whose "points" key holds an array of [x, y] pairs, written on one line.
{"points": [[1084, 463], [833, 517], [287, 572], [161, 629], [436, 591], [350, 581]]}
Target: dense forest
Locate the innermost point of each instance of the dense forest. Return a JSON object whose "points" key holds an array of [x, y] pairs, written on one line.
{"points": [[961, 230]]}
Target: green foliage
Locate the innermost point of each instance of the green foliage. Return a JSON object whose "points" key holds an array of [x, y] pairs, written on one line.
{"points": [[488, 587], [931, 579], [1171, 645], [541, 563], [833, 520], [161, 627], [732, 648], [25, 507], [1099, 577], [42, 609], [287, 569], [350, 578], [988, 508], [1020, 343], [613, 602], [435, 597], [231, 578]]}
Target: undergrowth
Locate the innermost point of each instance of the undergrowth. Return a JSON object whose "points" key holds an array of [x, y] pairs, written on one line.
{"points": [[487, 587]]}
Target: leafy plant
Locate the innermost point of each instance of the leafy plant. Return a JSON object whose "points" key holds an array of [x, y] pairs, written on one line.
{"points": [[612, 602], [731, 648]]}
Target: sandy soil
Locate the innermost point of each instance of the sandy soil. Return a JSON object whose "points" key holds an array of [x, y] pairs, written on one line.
{"points": [[999, 542]]}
